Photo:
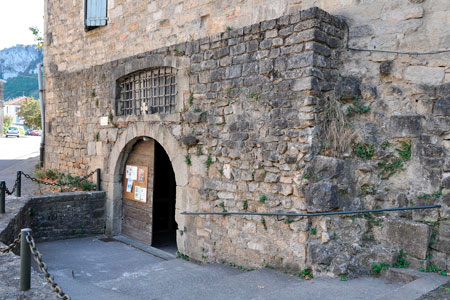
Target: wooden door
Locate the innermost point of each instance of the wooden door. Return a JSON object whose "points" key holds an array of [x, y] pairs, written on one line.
{"points": [[137, 215]]}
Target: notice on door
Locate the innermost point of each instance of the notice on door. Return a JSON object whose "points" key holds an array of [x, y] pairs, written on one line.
{"points": [[131, 172], [135, 183]]}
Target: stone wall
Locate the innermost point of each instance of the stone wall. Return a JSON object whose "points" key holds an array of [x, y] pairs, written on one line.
{"points": [[288, 119], [134, 28], [57, 216], [1, 105]]}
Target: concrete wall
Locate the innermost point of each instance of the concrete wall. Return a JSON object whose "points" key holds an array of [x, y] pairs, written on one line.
{"points": [[264, 98]]}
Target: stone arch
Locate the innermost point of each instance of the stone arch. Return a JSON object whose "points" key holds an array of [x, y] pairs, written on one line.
{"points": [[116, 162]]}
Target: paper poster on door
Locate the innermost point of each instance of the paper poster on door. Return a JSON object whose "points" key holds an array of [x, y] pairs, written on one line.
{"points": [[141, 175], [131, 172], [143, 194], [137, 193], [129, 186]]}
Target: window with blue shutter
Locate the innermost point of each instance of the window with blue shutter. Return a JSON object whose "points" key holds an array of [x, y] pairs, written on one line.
{"points": [[95, 13]]}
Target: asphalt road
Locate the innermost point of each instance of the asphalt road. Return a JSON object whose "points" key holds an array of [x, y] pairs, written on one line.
{"points": [[19, 154], [14, 149]]}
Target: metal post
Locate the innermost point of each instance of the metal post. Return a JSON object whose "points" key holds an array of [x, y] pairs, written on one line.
{"points": [[98, 180], [2, 196], [25, 261], [19, 184], [41, 95]]}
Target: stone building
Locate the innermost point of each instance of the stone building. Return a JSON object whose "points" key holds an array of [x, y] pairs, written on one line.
{"points": [[259, 106]]}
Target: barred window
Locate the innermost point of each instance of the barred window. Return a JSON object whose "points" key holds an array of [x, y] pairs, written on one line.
{"points": [[148, 92]]}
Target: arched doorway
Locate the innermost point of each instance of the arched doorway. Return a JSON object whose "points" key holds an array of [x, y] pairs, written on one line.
{"points": [[149, 193], [164, 195]]}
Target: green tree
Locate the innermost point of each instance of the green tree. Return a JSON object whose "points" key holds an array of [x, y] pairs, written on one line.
{"points": [[7, 121], [37, 36], [30, 112]]}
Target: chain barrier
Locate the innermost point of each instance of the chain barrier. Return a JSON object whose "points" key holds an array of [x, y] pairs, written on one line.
{"points": [[79, 180], [43, 268], [38, 258], [55, 184], [11, 246], [8, 192]]}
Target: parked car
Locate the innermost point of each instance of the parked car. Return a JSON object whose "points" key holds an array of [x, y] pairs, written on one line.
{"points": [[28, 132], [36, 132], [12, 131]]}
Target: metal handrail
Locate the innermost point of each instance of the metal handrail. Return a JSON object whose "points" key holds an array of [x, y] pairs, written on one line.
{"points": [[348, 212]]}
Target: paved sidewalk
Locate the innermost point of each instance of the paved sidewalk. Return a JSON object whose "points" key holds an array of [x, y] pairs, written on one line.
{"points": [[88, 268]]}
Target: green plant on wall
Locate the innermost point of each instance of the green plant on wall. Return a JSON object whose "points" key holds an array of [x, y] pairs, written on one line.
{"points": [[394, 163], [357, 108], [263, 222], [306, 274], [365, 151], [367, 189], [381, 266], [401, 260], [263, 199], [209, 161], [187, 159]]}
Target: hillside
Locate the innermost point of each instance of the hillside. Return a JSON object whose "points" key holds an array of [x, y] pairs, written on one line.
{"points": [[18, 66]]}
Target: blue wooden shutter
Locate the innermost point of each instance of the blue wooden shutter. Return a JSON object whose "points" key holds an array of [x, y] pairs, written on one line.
{"points": [[95, 13]]}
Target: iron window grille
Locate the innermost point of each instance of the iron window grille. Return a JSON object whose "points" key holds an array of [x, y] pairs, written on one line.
{"points": [[148, 92]]}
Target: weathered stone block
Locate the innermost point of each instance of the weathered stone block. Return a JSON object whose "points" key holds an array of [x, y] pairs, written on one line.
{"points": [[189, 140], [386, 67], [444, 229], [410, 236], [327, 167], [321, 197], [425, 75], [319, 254], [195, 117], [307, 83], [405, 126], [347, 88], [442, 107], [92, 149], [442, 245]]}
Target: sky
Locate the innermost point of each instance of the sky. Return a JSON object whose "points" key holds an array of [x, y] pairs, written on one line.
{"points": [[16, 16]]}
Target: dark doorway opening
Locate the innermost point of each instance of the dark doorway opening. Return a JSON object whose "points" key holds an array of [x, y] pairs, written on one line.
{"points": [[164, 191]]}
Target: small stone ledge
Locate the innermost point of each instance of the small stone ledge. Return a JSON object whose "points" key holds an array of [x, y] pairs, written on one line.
{"points": [[54, 216]]}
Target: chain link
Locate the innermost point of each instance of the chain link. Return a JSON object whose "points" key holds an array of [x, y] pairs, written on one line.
{"points": [[11, 246], [43, 268], [81, 179]]}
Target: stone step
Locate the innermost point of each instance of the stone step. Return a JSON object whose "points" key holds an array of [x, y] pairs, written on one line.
{"points": [[416, 288], [401, 275]]}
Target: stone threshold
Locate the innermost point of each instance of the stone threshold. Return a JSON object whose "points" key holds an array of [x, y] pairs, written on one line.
{"points": [[144, 247]]}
